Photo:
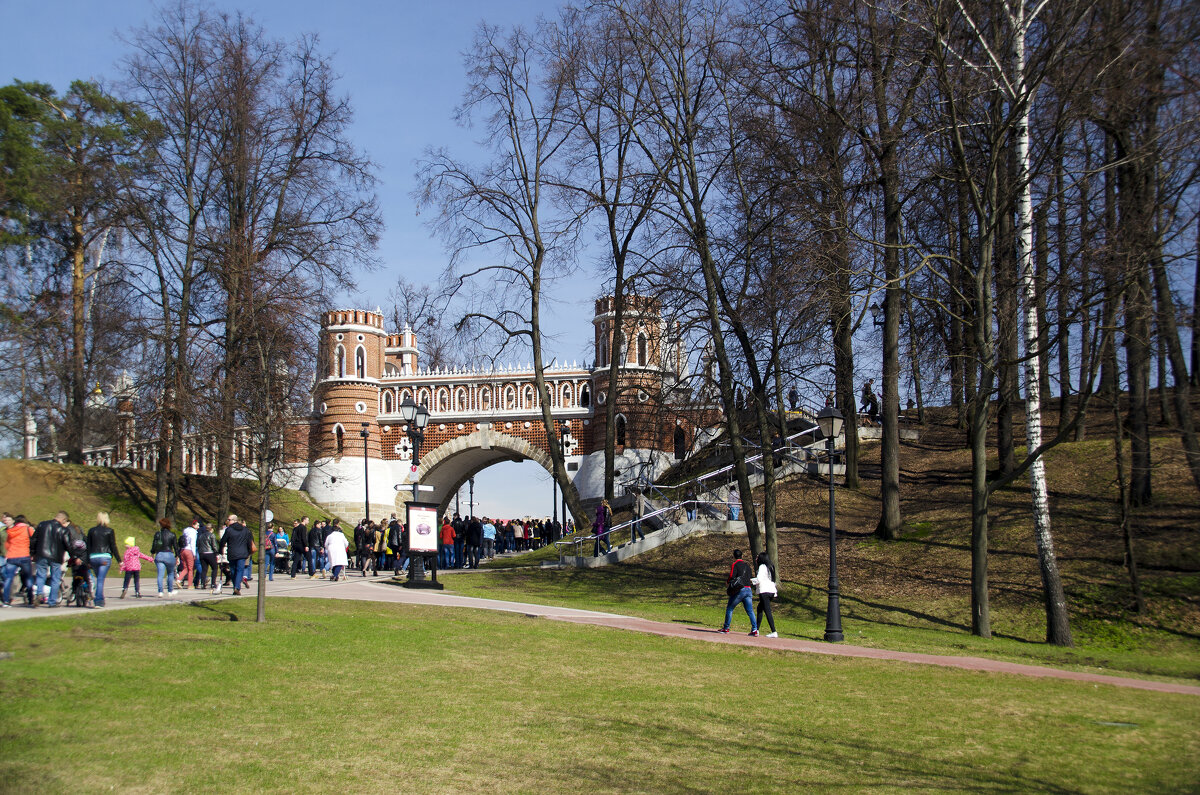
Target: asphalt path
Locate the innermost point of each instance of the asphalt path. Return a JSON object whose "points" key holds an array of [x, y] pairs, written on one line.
{"points": [[382, 589]]}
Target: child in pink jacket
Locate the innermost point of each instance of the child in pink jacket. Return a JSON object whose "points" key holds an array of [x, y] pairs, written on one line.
{"points": [[131, 564]]}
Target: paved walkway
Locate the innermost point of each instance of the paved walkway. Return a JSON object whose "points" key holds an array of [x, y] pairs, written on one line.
{"points": [[381, 590]]}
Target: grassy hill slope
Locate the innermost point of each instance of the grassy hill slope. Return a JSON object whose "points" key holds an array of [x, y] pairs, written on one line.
{"points": [[39, 489], [914, 594]]}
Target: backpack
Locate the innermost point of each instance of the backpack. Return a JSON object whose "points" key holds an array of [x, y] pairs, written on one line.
{"points": [[736, 584]]}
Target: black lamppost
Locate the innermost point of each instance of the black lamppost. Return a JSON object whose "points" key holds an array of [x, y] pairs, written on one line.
{"points": [[415, 418], [829, 420], [877, 317], [365, 433]]}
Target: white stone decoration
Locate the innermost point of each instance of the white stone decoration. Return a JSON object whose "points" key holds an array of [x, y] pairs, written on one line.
{"points": [[360, 407]]}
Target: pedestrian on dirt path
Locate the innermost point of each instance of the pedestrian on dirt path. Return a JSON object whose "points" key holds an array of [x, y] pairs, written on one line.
{"points": [[767, 591], [738, 588]]}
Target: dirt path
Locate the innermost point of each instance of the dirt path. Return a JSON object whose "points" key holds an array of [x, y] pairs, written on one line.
{"points": [[380, 590]]}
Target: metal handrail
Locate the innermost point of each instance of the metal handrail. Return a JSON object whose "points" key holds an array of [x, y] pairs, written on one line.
{"points": [[749, 461], [579, 541]]}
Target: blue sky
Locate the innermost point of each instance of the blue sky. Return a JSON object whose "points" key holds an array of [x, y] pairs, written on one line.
{"points": [[401, 64]]}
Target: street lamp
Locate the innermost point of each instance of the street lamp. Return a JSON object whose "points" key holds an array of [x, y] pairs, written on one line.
{"points": [[365, 433], [829, 420], [877, 315], [415, 418]]}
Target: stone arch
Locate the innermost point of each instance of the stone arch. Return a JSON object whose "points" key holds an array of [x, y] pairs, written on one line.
{"points": [[449, 466]]}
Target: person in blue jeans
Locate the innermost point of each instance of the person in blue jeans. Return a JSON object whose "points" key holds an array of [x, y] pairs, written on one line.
{"points": [[49, 545], [163, 547], [738, 588], [102, 551]]}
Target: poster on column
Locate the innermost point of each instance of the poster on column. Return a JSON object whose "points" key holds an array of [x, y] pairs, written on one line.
{"points": [[422, 528]]}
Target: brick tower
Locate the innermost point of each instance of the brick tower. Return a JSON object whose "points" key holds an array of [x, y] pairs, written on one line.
{"points": [[350, 362]]}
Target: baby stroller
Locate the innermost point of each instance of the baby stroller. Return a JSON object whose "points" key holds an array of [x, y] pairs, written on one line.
{"points": [[81, 575], [283, 558]]}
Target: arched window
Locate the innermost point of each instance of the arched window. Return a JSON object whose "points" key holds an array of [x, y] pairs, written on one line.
{"points": [[443, 400], [620, 430], [460, 399], [387, 402], [360, 362], [566, 396], [602, 354], [485, 399], [340, 437], [510, 398], [585, 396], [339, 362], [641, 350], [528, 396], [680, 444]]}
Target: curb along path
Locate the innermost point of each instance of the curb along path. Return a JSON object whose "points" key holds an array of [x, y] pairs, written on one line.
{"points": [[380, 590]]}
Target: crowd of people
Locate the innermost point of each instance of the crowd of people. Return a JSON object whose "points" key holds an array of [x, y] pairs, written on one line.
{"points": [[199, 557]]}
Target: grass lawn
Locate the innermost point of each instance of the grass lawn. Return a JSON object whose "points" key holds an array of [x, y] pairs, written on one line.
{"points": [[356, 697], [687, 595]]}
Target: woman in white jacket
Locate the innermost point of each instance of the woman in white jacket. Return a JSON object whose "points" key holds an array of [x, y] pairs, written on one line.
{"points": [[336, 552], [767, 590]]}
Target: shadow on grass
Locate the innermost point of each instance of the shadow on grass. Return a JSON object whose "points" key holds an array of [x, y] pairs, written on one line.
{"points": [[213, 613]]}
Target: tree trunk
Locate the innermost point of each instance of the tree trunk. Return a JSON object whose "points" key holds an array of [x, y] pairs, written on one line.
{"points": [[77, 422], [1135, 584], [1058, 629], [889, 525], [1169, 334], [1195, 377], [1064, 292], [1007, 310]]}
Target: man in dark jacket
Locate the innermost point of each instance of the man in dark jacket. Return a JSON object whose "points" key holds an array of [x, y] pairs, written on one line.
{"points": [[299, 546], [474, 540], [49, 545], [396, 542], [460, 540], [316, 543], [236, 543], [738, 588], [360, 545]]}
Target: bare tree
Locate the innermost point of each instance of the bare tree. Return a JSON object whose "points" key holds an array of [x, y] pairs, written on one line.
{"points": [[503, 208]]}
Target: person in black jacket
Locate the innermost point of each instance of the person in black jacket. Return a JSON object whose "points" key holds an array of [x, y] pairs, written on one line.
{"points": [[102, 550], [163, 548], [315, 545], [206, 552], [460, 540], [474, 541], [299, 546], [738, 588], [49, 545], [237, 544], [360, 548]]}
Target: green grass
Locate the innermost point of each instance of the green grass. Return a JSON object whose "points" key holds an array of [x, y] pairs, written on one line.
{"points": [[690, 597], [356, 697]]}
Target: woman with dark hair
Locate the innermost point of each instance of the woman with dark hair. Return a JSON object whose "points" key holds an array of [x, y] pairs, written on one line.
{"points": [[163, 547], [767, 590]]}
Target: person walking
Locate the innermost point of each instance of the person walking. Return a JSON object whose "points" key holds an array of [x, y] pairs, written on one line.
{"points": [[187, 553], [601, 528], [460, 540], [238, 544], [163, 547], [278, 546], [19, 541], [738, 588], [49, 545], [337, 552], [768, 589], [447, 538], [735, 502], [489, 539], [206, 553], [690, 506], [131, 564], [102, 550], [474, 541], [299, 546], [314, 544], [635, 529]]}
